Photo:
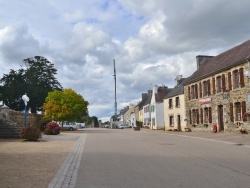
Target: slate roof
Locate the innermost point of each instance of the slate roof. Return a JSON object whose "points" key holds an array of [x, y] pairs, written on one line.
{"points": [[222, 62], [177, 90]]}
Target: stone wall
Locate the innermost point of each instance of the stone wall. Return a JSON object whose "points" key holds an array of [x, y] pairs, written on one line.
{"points": [[31, 119], [18, 117]]}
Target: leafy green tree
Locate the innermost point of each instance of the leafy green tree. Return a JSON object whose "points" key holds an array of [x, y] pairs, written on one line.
{"points": [[36, 80], [64, 105], [13, 88]]}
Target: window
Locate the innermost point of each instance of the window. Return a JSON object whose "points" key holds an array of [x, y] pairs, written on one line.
{"points": [[170, 103], [206, 115], [194, 92], [194, 116], [171, 121], [152, 108], [238, 111], [205, 88], [219, 84], [236, 79], [177, 102]]}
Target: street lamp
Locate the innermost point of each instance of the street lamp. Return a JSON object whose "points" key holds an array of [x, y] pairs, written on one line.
{"points": [[25, 100]]}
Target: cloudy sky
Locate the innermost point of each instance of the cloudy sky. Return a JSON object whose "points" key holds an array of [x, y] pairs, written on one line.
{"points": [[152, 41]]}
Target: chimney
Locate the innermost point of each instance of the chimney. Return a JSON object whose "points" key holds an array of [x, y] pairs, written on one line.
{"points": [[144, 95], [155, 89], [201, 59], [177, 80]]}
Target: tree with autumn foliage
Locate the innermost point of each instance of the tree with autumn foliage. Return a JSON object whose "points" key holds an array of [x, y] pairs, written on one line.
{"points": [[65, 105]]}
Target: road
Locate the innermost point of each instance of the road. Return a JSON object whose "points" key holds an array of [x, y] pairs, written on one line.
{"points": [[157, 159]]}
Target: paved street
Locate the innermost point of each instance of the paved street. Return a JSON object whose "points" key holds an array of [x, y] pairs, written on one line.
{"points": [[127, 158]]}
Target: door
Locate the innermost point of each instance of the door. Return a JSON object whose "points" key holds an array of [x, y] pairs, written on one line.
{"points": [[179, 122], [220, 118]]}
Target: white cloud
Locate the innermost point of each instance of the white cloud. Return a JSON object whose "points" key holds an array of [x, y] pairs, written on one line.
{"points": [[151, 42]]}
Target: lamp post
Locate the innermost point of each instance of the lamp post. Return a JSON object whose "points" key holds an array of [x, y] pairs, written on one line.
{"points": [[25, 100]]}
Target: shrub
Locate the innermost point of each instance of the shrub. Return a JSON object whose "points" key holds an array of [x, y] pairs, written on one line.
{"points": [[30, 133], [205, 125], [139, 123], [52, 128]]}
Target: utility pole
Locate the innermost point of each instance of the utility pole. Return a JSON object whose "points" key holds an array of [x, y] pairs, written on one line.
{"points": [[115, 89]]}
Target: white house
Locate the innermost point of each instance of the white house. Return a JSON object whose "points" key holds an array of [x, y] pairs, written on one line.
{"points": [[146, 112], [157, 107]]}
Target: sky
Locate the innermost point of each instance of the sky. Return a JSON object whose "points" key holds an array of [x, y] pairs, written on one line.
{"points": [[151, 41]]}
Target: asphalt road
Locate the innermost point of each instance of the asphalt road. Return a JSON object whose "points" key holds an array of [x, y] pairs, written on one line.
{"points": [[152, 159]]}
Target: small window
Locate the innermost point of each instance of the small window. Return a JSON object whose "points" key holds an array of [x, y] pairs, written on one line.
{"points": [[205, 88], [238, 111], [170, 103], [177, 102], [236, 80], [219, 84], [171, 121]]}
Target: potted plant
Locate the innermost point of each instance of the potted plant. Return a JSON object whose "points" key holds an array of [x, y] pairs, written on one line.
{"points": [[138, 125]]}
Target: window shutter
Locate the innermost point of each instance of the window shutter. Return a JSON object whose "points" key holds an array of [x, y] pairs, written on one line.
{"points": [[223, 83], [242, 84], [231, 112], [229, 81], [201, 115], [189, 93], [190, 119], [210, 114], [213, 80], [197, 113], [200, 87], [243, 107], [208, 88]]}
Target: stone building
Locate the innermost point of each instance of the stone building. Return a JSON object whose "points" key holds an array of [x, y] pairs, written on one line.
{"points": [[218, 92]]}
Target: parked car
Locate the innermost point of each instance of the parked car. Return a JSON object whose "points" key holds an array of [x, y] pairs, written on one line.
{"points": [[123, 126], [70, 126], [80, 125]]}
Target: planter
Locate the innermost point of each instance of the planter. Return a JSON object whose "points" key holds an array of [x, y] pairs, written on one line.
{"points": [[137, 128]]}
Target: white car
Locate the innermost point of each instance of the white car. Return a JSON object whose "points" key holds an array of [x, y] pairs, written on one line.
{"points": [[123, 126], [71, 126]]}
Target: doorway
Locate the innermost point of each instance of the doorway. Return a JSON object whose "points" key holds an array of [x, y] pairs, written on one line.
{"points": [[220, 118], [179, 122]]}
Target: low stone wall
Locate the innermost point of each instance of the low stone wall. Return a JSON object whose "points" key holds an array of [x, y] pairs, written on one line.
{"points": [[31, 119]]}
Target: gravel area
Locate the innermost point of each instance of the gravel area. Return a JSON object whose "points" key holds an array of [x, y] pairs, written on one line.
{"points": [[33, 164]]}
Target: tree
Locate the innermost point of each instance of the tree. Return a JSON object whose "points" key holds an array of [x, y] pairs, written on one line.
{"points": [[36, 80], [13, 88], [64, 105]]}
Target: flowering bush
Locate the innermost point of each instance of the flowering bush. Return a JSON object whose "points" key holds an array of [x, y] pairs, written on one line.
{"points": [[30, 133], [52, 128]]}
